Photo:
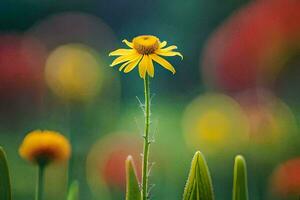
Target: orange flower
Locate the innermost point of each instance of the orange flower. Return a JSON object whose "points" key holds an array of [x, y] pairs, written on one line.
{"points": [[43, 147]]}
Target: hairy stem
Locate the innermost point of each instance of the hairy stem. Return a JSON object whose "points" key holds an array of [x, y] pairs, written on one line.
{"points": [[146, 140]]}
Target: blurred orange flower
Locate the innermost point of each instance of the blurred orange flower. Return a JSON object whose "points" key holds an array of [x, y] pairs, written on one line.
{"points": [[43, 147]]}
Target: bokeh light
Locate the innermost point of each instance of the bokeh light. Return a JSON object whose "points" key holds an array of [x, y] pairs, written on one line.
{"points": [[209, 124], [73, 72], [272, 126], [106, 160], [73, 27], [21, 62], [21, 77], [285, 181], [270, 119], [234, 61]]}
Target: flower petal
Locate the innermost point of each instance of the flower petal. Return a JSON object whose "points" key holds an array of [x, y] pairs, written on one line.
{"points": [[128, 43], [170, 48], [163, 44], [163, 62], [169, 53], [130, 61], [121, 52], [124, 58], [143, 66], [150, 68], [124, 65], [132, 65]]}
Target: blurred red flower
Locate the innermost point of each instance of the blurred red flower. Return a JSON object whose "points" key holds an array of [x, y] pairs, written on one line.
{"points": [[21, 65], [113, 169], [107, 158], [286, 178], [21, 74], [253, 45]]}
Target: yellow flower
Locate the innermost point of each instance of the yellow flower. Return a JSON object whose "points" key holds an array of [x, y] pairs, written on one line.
{"points": [[43, 147], [144, 50]]}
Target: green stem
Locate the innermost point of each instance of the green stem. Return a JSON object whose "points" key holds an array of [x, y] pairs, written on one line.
{"points": [[71, 139], [71, 162], [40, 182], [146, 139]]}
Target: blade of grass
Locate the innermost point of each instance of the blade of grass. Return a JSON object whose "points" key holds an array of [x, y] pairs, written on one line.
{"points": [[73, 191], [5, 186], [199, 184], [240, 183], [132, 185]]}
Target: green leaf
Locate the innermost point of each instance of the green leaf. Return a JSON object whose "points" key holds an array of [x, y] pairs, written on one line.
{"points": [[5, 187], [199, 184], [240, 183], [73, 193], [132, 185]]}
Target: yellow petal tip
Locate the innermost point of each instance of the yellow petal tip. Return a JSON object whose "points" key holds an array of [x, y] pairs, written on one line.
{"points": [[180, 55], [151, 75]]}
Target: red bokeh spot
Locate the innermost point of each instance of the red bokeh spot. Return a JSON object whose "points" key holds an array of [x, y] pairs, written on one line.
{"points": [[113, 170], [286, 179], [21, 65], [246, 50]]}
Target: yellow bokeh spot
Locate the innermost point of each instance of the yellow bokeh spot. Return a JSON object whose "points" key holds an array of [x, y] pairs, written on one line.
{"points": [[215, 123], [73, 72]]}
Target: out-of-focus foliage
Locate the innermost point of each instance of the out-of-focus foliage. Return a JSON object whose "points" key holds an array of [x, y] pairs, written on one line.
{"points": [[73, 193]]}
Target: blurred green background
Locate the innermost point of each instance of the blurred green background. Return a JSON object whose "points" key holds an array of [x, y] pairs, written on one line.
{"points": [[55, 74]]}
